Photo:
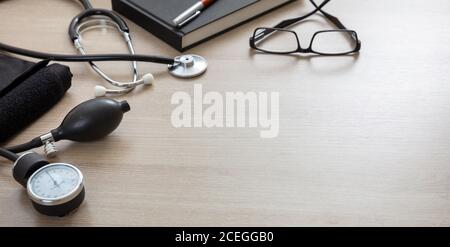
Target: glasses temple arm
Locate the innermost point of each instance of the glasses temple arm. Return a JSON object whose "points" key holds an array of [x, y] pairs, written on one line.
{"points": [[333, 19], [287, 23]]}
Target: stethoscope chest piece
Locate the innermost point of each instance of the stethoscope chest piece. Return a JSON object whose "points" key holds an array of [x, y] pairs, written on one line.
{"points": [[188, 66]]}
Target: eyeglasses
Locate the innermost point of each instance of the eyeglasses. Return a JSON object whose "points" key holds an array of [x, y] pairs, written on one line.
{"points": [[279, 40]]}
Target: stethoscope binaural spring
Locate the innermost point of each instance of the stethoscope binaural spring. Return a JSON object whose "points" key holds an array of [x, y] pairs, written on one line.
{"points": [[126, 87], [185, 66]]}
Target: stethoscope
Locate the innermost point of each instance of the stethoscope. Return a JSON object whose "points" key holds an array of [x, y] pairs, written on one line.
{"points": [[184, 66]]}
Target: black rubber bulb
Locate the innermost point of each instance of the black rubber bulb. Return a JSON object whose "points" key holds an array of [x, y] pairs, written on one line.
{"points": [[91, 120]]}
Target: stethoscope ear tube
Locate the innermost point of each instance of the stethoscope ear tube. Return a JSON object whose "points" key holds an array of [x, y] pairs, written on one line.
{"points": [[76, 21], [105, 21]]}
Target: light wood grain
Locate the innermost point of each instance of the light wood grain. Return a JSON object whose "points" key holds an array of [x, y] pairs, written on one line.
{"points": [[364, 141]]}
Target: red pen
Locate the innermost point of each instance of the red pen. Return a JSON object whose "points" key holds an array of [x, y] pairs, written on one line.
{"points": [[192, 12]]}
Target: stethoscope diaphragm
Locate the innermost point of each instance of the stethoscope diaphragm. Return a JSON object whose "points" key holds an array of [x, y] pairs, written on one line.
{"points": [[188, 66]]}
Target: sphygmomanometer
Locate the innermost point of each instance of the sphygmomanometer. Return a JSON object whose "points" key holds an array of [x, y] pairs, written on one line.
{"points": [[29, 89], [56, 189]]}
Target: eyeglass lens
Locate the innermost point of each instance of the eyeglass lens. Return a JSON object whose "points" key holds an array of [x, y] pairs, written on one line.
{"points": [[333, 42], [278, 41]]}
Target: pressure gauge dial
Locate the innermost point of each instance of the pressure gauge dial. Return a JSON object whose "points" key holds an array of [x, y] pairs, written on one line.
{"points": [[55, 189]]}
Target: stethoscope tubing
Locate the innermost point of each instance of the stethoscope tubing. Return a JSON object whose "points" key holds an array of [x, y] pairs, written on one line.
{"points": [[86, 58], [89, 11]]}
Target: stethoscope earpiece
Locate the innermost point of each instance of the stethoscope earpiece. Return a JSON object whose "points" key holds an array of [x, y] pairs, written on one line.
{"points": [[100, 91], [146, 80]]}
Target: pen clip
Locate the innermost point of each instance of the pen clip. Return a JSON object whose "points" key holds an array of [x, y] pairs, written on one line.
{"points": [[190, 18]]}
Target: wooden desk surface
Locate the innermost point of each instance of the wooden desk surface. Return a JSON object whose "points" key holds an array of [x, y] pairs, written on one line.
{"points": [[364, 141]]}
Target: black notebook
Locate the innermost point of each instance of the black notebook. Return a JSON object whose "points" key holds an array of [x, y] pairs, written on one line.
{"points": [[156, 17]]}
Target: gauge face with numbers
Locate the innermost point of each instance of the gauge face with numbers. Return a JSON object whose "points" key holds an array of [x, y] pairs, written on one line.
{"points": [[55, 184]]}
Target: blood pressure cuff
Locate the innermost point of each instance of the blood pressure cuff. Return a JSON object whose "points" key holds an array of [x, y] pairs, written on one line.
{"points": [[27, 91]]}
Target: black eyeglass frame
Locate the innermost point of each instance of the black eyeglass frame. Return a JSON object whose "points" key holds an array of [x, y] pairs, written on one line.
{"points": [[258, 34], [310, 48]]}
